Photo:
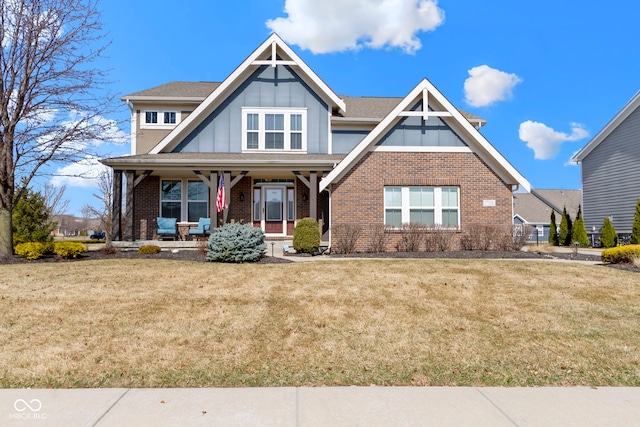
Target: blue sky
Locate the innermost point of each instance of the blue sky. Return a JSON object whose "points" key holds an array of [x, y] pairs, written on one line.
{"points": [[547, 76]]}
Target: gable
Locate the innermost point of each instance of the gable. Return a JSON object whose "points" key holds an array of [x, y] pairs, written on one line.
{"points": [[438, 107], [414, 131], [268, 87], [626, 117], [272, 53]]}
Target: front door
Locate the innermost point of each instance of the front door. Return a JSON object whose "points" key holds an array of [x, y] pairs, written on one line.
{"points": [[273, 210]]}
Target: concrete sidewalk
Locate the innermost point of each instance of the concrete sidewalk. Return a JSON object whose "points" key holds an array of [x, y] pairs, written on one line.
{"points": [[323, 406]]}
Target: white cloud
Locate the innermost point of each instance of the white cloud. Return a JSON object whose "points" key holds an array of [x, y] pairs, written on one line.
{"points": [[546, 142], [84, 173], [337, 25], [486, 85], [106, 129]]}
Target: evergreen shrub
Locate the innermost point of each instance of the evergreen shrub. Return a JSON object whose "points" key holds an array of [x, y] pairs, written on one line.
{"points": [[33, 250], [236, 243], [621, 254], [609, 237], [69, 250], [306, 236], [635, 232], [579, 231], [553, 232]]}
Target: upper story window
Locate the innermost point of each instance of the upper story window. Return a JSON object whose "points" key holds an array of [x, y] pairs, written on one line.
{"points": [[159, 119], [274, 129]]}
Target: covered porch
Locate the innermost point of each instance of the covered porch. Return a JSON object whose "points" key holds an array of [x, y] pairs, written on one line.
{"points": [[268, 191]]}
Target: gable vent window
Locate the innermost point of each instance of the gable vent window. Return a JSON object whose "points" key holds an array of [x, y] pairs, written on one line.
{"points": [[282, 130]]}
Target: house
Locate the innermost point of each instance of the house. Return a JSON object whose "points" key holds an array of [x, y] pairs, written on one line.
{"points": [[535, 209], [610, 166], [289, 147]]}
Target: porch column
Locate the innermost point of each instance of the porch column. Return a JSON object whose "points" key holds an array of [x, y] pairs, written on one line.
{"points": [[116, 207], [213, 193], [313, 195], [128, 214]]}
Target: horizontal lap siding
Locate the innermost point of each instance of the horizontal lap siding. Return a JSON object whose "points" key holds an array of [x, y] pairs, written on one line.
{"points": [[611, 177], [359, 196]]}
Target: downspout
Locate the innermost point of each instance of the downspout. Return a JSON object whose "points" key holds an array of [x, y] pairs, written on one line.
{"points": [[133, 126]]}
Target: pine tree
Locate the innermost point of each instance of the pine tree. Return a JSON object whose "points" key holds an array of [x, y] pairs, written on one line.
{"points": [[609, 237], [635, 232], [579, 232], [553, 230], [30, 219], [565, 228]]}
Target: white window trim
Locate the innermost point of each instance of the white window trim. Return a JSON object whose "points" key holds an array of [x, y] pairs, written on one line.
{"points": [[406, 208], [160, 124], [262, 112], [184, 199]]}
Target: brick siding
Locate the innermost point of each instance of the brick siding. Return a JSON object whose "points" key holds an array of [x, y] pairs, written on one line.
{"points": [[358, 198]]}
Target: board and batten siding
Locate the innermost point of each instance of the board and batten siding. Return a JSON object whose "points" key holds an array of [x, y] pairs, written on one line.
{"points": [[611, 177], [279, 87]]}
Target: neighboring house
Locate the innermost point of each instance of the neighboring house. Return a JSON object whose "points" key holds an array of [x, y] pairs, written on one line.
{"points": [[535, 209], [289, 147], [610, 165]]}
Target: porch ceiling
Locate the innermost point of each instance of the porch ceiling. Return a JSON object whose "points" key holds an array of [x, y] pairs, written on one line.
{"points": [[226, 161]]}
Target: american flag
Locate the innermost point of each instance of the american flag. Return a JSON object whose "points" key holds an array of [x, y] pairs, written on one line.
{"points": [[221, 197]]}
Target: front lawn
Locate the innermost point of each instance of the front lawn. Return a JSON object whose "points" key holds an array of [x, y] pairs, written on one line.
{"points": [[160, 323]]}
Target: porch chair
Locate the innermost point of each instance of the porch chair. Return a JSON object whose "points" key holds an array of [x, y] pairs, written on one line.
{"points": [[203, 229], [166, 227]]}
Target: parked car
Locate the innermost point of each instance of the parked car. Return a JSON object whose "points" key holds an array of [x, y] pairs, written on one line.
{"points": [[98, 235]]}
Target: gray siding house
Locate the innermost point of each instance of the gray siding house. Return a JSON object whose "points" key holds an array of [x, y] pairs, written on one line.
{"points": [[610, 165]]}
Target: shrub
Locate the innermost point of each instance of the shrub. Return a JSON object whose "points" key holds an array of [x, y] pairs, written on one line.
{"points": [[69, 250], [579, 231], [346, 236], [609, 237], [553, 230], [306, 236], [30, 219], [412, 236], [478, 237], [635, 232], [565, 228], [149, 249], [511, 237], [378, 237], [33, 250], [439, 238], [110, 250], [236, 243], [621, 254]]}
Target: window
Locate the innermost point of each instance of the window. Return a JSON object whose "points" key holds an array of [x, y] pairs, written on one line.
{"points": [[197, 196], [151, 117], [171, 199], [170, 117], [160, 119], [185, 200], [425, 205], [274, 129]]}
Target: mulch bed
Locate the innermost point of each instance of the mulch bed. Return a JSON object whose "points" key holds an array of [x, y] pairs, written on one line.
{"points": [[194, 255]]}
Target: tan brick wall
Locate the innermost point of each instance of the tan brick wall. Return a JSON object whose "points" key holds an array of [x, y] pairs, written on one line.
{"points": [[359, 196]]}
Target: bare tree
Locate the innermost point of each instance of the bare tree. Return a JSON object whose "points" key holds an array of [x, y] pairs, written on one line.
{"points": [[55, 201], [52, 108], [103, 212]]}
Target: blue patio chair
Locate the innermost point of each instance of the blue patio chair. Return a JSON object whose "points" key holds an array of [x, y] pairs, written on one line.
{"points": [[167, 227], [203, 228]]}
